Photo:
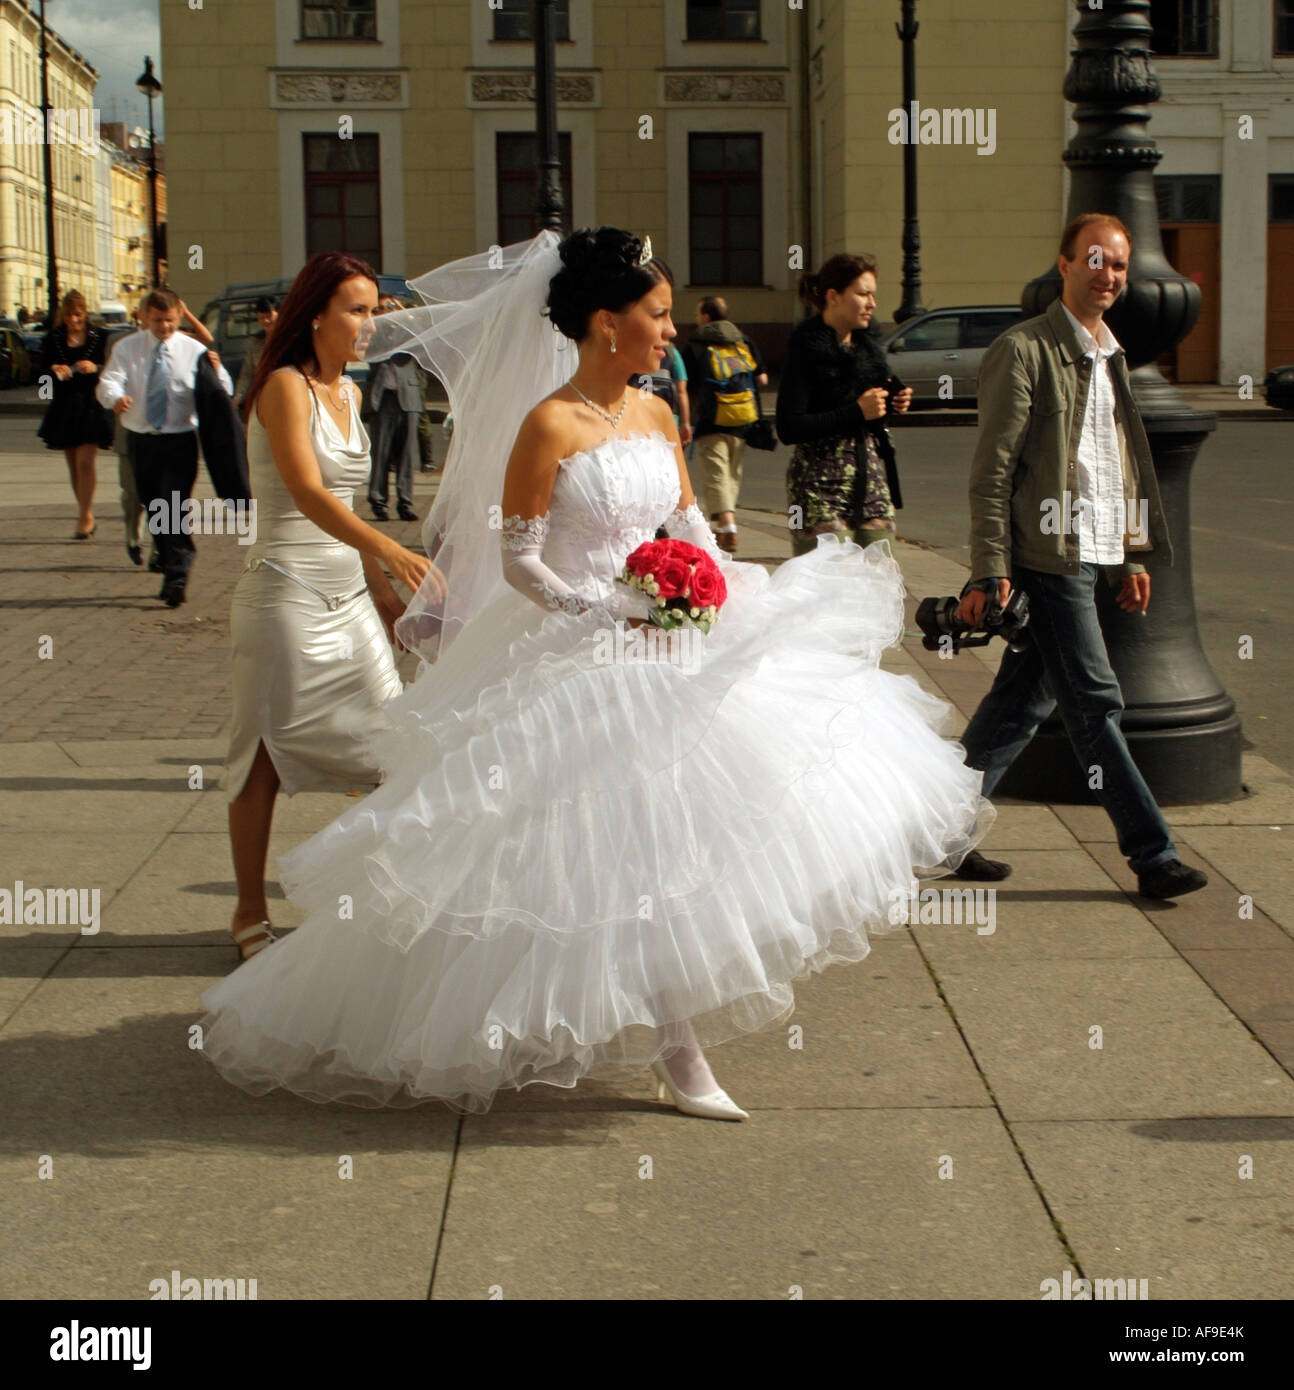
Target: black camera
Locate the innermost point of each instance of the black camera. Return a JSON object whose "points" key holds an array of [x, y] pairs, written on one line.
{"points": [[943, 630]]}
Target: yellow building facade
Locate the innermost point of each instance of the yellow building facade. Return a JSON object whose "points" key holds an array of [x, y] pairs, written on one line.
{"points": [[748, 139], [22, 181], [130, 227]]}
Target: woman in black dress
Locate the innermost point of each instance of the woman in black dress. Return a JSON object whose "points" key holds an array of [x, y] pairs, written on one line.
{"points": [[835, 392], [73, 353]]}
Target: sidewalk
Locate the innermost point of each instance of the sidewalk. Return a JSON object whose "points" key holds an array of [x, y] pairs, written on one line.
{"points": [[947, 1129]]}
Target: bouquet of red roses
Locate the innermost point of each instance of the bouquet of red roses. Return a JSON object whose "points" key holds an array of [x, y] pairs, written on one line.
{"points": [[682, 579]]}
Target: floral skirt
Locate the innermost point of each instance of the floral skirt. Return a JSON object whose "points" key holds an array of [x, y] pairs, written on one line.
{"points": [[828, 490]]}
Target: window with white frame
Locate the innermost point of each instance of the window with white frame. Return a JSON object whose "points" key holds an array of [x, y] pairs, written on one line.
{"points": [[339, 19]]}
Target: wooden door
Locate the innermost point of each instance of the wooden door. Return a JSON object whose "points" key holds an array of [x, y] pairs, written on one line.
{"points": [[1280, 294], [1194, 250]]}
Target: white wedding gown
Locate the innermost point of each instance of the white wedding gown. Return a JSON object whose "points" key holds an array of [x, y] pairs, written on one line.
{"points": [[570, 852]]}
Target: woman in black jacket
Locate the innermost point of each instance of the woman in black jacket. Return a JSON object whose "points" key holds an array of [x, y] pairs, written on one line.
{"points": [[73, 353], [831, 405]]}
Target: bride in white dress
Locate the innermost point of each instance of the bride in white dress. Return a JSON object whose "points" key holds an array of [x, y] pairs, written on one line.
{"points": [[579, 857]]}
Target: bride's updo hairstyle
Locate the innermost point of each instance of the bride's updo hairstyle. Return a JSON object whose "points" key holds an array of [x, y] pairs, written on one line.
{"points": [[599, 271]]}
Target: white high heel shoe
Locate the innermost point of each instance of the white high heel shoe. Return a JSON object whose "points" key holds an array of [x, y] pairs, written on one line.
{"points": [[715, 1106]]}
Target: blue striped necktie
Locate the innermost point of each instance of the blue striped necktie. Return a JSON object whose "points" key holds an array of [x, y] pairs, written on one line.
{"points": [[159, 380]]}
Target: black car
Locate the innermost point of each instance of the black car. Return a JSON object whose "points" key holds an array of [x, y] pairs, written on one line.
{"points": [[231, 317], [1279, 388]]}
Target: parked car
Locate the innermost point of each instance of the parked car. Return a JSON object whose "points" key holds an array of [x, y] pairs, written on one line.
{"points": [[1279, 388], [231, 316], [15, 361], [946, 342], [114, 333]]}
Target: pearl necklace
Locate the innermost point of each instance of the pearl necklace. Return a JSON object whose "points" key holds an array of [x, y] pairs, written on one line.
{"points": [[613, 420]]}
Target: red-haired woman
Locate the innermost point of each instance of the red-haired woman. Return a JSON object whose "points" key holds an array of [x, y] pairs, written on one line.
{"points": [[312, 663], [75, 422]]}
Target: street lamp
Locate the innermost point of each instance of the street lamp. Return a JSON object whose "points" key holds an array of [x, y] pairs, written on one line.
{"points": [[548, 161], [47, 159], [912, 305], [151, 87]]}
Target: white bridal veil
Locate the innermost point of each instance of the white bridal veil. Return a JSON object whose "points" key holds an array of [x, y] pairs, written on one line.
{"points": [[481, 332]]}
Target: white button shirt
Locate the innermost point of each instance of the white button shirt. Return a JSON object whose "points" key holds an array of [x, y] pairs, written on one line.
{"points": [[1099, 518], [126, 374]]}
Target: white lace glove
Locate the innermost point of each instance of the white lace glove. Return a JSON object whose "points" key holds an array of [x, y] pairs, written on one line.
{"points": [[687, 524], [523, 539]]}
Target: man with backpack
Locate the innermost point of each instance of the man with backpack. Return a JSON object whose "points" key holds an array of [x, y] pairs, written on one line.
{"points": [[723, 370]]}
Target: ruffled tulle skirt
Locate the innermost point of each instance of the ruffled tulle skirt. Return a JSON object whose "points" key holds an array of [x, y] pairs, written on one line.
{"points": [[580, 845]]}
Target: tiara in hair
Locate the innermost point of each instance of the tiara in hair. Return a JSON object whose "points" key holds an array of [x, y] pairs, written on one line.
{"points": [[646, 252]]}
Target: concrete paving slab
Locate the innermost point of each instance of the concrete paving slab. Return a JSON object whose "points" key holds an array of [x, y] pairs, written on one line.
{"points": [[873, 1034], [22, 968], [90, 799], [1258, 860], [1165, 1201], [1169, 1047], [40, 759], [1020, 826], [1258, 986], [254, 1197], [184, 892], [1272, 803], [1205, 921], [740, 1211], [1271, 800], [1057, 904], [1278, 1039], [102, 1056], [145, 752], [85, 860], [1089, 824]]}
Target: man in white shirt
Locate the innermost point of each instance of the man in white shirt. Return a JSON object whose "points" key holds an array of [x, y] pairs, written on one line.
{"points": [[1062, 488], [148, 383]]}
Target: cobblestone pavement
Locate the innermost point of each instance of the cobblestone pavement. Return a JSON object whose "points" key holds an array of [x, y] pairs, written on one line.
{"points": [[111, 647]]}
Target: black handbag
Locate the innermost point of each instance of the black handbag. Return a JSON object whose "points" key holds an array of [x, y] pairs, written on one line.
{"points": [[759, 435]]}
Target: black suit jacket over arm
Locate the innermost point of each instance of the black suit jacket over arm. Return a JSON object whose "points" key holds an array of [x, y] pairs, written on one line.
{"points": [[220, 432]]}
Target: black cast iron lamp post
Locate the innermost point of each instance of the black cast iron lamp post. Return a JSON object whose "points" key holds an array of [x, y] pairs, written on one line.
{"points": [[151, 87], [548, 157], [912, 305]]}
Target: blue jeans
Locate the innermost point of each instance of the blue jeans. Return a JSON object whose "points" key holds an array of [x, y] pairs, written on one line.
{"points": [[1065, 661]]}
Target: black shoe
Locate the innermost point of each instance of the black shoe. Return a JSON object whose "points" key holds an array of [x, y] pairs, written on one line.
{"points": [[1170, 880], [408, 514], [154, 563], [380, 513], [172, 593], [975, 866], [136, 554]]}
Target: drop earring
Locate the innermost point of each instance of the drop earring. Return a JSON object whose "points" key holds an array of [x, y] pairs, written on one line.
{"points": [[613, 345]]}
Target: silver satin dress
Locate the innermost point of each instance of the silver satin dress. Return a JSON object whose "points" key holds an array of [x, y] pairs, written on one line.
{"points": [[312, 664]]}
